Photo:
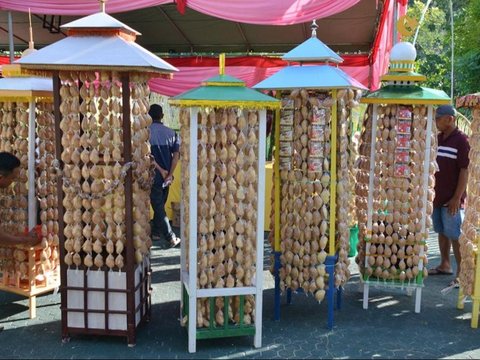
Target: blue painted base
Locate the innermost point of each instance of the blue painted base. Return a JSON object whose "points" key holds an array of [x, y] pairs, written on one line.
{"points": [[330, 268]]}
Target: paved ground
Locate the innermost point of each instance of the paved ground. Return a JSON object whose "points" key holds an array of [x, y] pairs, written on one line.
{"points": [[388, 329]]}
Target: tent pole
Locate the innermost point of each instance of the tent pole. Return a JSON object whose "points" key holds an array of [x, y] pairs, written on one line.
{"points": [[452, 58], [32, 201], [394, 25], [10, 36]]}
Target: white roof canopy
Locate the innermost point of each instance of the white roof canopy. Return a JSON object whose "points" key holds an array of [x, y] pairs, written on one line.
{"points": [[92, 45]]}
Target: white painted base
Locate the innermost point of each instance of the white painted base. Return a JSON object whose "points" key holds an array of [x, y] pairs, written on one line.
{"points": [[365, 296], [96, 299]]}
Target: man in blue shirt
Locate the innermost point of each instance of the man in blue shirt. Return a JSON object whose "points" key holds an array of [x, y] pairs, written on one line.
{"points": [[165, 148]]}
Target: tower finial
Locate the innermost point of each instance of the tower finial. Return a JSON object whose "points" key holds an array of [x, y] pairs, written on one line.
{"points": [[314, 28], [221, 64], [30, 42], [102, 5]]}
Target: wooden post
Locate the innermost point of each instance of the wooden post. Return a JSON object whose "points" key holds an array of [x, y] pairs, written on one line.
{"points": [[333, 176], [61, 224], [32, 201], [368, 233], [192, 260], [130, 250], [262, 135]]}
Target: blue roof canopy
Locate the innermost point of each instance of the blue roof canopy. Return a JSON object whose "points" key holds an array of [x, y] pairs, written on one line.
{"points": [[309, 77], [312, 50]]}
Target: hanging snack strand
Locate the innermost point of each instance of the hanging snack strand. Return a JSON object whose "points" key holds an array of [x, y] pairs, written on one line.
{"points": [[395, 179], [223, 126], [470, 269], [104, 172], [26, 117], [311, 175]]}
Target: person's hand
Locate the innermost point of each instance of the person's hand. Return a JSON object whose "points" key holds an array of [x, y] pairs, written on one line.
{"points": [[453, 205], [32, 232], [30, 239], [168, 181], [164, 174]]}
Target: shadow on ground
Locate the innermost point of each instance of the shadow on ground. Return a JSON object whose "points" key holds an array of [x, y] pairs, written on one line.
{"points": [[389, 328]]}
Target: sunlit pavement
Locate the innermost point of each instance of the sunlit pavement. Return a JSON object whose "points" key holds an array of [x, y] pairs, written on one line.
{"points": [[388, 329]]}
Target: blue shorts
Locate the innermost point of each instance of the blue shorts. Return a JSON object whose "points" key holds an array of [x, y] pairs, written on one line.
{"points": [[446, 224]]}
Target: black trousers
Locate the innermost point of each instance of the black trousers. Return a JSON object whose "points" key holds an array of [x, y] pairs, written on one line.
{"points": [[160, 222]]}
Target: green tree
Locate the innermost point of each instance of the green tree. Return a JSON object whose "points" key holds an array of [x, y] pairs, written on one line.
{"points": [[433, 58], [467, 49], [434, 44]]}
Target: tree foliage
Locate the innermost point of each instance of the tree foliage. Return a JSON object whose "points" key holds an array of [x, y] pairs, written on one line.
{"points": [[434, 44], [432, 48], [467, 49]]}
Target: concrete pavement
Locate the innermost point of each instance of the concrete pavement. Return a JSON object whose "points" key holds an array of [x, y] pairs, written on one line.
{"points": [[388, 329]]}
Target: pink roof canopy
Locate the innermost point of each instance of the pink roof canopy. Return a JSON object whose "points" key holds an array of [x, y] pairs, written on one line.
{"points": [[360, 26], [276, 12]]}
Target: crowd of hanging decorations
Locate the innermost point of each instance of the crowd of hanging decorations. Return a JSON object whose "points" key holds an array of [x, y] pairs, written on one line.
{"points": [[395, 177], [312, 191], [27, 131], [222, 127], [104, 173], [469, 277], [94, 174]]}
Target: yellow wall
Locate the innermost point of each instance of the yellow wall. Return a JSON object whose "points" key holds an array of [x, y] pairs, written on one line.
{"points": [[174, 194]]}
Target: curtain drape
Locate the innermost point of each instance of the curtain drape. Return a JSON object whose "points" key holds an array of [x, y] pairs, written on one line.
{"points": [[365, 69], [273, 12], [278, 12], [380, 53], [189, 77], [77, 7], [257, 61]]}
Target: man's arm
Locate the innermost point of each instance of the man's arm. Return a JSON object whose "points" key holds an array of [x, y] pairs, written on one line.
{"points": [[162, 171], [28, 240], [175, 151], [454, 202], [175, 158]]}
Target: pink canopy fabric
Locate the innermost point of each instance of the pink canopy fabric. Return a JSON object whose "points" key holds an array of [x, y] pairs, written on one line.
{"points": [[77, 7], [278, 12], [190, 77], [380, 55], [366, 72], [273, 12]]}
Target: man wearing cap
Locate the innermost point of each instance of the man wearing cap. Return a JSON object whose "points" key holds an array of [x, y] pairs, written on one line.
{"points": [[450, 186], [165, 148]]}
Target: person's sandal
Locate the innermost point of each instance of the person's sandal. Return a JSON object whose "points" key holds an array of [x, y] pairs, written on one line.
{"points": [[438, 271], [454, 284]]}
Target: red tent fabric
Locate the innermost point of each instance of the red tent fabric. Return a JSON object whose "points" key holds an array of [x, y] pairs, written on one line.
{"points": [[251, 69], [5, 60], [367, 69]]}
